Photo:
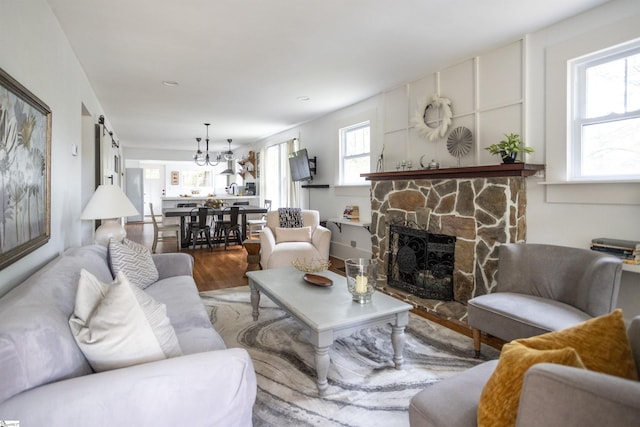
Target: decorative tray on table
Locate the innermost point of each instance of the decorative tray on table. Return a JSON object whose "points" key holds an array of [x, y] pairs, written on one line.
{"points": [[317, 280]]}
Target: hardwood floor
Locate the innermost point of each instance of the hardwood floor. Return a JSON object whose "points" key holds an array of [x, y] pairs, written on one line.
{"points": [[213, 269]]}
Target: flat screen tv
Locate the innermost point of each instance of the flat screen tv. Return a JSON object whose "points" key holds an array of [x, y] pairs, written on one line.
{"points": [[299, 166]]}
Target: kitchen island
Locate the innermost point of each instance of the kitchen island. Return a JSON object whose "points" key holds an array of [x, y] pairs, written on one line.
{"points": [[172, 201]]}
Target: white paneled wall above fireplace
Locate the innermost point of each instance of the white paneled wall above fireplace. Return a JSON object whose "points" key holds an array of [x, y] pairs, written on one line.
{"points": [[487, 95]]}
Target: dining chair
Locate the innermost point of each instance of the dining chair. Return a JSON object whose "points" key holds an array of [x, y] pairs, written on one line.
{"points": [[255, 225], [199, 226], [231, 225], [160, 229]]}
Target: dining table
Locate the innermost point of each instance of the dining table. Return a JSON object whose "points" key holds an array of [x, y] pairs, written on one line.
{"points": [[185, 212]]}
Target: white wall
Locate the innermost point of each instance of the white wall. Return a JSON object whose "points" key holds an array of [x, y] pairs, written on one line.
{"points": [[34, 51], [572, 215], [495, 92], [487, 95], [320, 138]]}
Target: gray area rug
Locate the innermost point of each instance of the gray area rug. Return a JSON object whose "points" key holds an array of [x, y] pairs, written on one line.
{"points": [[364, 387]]}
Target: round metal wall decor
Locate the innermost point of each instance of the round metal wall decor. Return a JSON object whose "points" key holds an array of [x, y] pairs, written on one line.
{"points": [[459, 141], [433, 117]]}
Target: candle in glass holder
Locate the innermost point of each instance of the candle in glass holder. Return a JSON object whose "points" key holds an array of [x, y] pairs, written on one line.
{"points": [[361, 284], [361, 275]]}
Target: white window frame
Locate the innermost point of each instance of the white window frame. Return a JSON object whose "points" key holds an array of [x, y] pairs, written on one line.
{"points": [[577, 114], [553, 63], [343, 157], [196, 178], [276, 175]]}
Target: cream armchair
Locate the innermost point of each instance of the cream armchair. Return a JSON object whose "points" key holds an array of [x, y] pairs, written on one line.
{"points": [[278, 248]]}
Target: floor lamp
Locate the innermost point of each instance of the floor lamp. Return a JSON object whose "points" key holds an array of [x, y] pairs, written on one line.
{"points": [[110, 204]]}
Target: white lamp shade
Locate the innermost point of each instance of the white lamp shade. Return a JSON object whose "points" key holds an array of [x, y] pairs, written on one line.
{"points": [[109, 201]]}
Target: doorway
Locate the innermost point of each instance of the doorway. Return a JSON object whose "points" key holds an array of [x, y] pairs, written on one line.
{"points": [[153, 186]]}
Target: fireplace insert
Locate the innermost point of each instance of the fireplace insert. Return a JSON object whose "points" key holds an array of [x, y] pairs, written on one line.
{"points": [[421, 263]]}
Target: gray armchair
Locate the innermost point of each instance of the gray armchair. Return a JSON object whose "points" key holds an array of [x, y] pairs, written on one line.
{"points": [[552, 396], [543, 288]]}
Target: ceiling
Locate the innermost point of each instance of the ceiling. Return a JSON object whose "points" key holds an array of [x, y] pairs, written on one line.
{"points": [[253, 68]]}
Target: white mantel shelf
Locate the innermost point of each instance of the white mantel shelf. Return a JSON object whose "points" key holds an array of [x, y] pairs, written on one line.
{"points": [[487, 171]]}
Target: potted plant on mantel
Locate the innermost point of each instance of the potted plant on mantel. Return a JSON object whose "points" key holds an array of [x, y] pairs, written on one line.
{"points": [[509, 148]]}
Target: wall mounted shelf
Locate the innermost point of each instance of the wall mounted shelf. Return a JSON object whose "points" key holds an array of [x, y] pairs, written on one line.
{"points": [[248, 165], [339, 222]]}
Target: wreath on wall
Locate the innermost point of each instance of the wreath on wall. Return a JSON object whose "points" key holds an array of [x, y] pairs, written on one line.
{"points": [[433, 117]]}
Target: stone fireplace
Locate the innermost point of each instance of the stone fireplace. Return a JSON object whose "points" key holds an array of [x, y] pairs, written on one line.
{"points": [[481, 207]]}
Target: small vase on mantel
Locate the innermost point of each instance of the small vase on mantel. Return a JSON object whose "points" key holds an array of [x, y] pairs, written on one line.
{"points": [[508, 157], [509, 148]]}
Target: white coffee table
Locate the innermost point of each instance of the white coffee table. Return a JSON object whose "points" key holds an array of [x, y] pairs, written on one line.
{"points": [[328, 312]]}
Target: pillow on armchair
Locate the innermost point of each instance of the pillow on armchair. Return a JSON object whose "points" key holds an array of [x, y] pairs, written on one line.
{"points": [[290, 217], [301, 234], [599, 344]]}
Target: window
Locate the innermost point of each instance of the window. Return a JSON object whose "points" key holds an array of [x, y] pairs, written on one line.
{"points": [[196, 179], [605, 115], [355, 155], [278, 186], [151, 173]]}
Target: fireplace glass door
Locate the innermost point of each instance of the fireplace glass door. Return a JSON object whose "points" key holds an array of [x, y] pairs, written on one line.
{"points": [[421, 263]]}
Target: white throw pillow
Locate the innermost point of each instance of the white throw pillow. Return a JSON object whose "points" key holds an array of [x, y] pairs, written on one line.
{"points": [[134, 260], [301, 234], [117, 325]]}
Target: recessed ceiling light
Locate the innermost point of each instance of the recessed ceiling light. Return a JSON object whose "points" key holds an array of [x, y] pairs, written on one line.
{"points": [[303, 98], [170, 83]]}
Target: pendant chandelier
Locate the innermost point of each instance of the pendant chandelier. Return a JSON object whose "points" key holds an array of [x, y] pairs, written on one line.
{"points": [[229, 157], [203, 159], [229, 154]]}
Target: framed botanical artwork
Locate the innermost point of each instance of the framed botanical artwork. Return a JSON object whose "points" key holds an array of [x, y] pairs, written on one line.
{"points": [[175, 178], [25, 171]]}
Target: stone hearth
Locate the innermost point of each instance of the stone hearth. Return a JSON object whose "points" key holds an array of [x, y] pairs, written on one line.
{"points": [[481, 212]]}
